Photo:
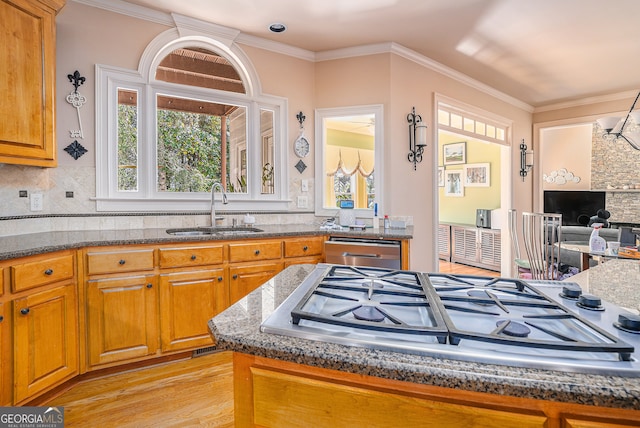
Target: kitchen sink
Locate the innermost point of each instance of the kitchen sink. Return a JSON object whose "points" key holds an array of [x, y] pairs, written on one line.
{"points": [[204, 231]]}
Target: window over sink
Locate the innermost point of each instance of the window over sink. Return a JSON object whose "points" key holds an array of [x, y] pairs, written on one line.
{"points": [[191, 116]]}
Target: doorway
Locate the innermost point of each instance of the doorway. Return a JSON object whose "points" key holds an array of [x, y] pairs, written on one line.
{"points": [[473, 173]]}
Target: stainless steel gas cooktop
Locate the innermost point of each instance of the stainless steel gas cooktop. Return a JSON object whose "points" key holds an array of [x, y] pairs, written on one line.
{"points": [[537, 324]]}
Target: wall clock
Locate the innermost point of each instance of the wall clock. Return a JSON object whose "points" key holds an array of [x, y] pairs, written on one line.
{"points": [[301, 146]]}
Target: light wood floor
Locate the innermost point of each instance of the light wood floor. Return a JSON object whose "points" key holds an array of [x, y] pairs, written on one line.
{"points": [[197, 392], [457, 268]]}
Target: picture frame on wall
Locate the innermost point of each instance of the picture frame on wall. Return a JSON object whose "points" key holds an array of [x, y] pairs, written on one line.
{"points": [[453, 183], [477, 175], [454, 153], [440, 176]]}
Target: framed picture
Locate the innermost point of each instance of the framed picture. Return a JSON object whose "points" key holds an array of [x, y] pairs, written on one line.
{"points": [[455, 153], [440, 176], [453, 184], [477, 175]]}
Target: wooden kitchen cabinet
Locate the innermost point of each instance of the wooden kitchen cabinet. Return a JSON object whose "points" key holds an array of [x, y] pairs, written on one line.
{"points": [[303, 250], [45, 348], [475, 246], [5, 355], [188, 300], [27, 81], [122, 318], [246, 278]]}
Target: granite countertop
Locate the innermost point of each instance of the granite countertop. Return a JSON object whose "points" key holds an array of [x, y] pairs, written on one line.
{"points": [[615, 280], [39, 243], [237, 329]]}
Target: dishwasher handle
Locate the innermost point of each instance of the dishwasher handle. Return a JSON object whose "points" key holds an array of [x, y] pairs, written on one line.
{"points": [[370, 256]]}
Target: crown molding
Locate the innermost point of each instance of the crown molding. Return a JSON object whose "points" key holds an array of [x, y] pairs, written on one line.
{"points": [[119, 6], [587, 101], [132, 10]]}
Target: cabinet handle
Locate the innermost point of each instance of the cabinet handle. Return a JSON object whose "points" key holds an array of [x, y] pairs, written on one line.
{"points": [[48, 272], [305, 248], [256, 252], [24, 311], [235, 276], [193, 257], [149, 285], [1, 318], [219, 279], [122, 261]]}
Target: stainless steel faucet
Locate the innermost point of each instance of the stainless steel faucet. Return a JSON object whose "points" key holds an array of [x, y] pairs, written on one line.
{"points": [[213, 206]]}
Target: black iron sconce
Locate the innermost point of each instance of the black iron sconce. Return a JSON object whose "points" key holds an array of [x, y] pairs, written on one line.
{"points": [[417, 137], [524, 166]]}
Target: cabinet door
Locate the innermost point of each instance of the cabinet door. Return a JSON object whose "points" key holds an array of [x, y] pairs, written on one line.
{"points": [[464, 248], [255, 251], [304, 247], [490, 249], [188, 300], [122, 321], [444, 242], [245, 279], [45, 340], [5, 357], [27, 82]]}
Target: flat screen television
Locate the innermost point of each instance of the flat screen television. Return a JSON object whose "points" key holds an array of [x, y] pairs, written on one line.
{"points": [[574, 205]]}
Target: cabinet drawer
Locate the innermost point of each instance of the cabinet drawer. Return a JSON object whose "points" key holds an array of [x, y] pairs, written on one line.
{"points": [[251, 251], [40, 272], [191, 256], [303, 247], [99, 262]]}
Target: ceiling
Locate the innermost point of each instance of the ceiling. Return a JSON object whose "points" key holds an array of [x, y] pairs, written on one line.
{"points": [[541, 52]]}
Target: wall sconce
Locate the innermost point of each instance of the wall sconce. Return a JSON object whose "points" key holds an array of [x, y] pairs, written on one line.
{"points": [[417, 137], [614, 127], [524, 166]]}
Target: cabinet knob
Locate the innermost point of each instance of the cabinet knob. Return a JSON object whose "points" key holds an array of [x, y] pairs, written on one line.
{"points": [[122, 261], [219, 279], [193, 257], [235, 276], [256, 252], [1, 318], [24, 311], [305, 248], [48, 272], [149, 285]]}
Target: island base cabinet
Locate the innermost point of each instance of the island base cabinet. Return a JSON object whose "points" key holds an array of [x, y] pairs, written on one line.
{"points": [[122, 319], [45, 340], [276, 393], [188, 300]]}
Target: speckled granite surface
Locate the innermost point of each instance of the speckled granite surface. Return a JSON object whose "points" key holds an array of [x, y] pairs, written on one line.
{"points": [[237, 329], [38, 243], [616, 280]]}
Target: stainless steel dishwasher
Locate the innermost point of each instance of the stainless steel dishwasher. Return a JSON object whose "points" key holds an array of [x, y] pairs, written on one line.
{"points": [[363, 252]]}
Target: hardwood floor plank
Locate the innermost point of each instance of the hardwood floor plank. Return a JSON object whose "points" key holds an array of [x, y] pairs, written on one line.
{"points": [[458, 268], [188, 393]]}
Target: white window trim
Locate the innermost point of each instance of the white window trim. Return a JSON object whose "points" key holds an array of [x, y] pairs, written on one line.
{"points": [[147, 198]]}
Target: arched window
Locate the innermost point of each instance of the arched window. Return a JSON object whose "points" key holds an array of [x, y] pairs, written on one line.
{"points": [[190, 117]]}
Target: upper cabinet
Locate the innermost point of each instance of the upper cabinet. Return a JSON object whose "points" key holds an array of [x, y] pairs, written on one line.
{"points": [[27, 81]]}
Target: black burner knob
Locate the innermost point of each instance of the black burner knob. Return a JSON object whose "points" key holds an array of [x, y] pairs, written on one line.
{"points": [[571, 291], [589, 301], [629, 322]]}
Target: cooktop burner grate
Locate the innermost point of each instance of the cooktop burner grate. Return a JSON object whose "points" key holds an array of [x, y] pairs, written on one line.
{"points": [[450, 308]]}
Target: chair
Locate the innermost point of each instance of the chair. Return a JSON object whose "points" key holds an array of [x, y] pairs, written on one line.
{"points": [[542, 234], [522, 266]]}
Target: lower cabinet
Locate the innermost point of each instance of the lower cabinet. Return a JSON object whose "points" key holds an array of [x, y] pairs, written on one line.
{"points": [[188, 300], [476, 247], [444, 242], [244, 279], [45, 344], [122, 319]]}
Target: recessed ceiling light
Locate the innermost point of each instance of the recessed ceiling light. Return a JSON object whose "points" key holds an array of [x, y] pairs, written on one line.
{"points": [[277, 27]]}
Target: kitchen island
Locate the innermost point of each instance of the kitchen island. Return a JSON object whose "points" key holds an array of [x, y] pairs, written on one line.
{"points": [[282, 380]]}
